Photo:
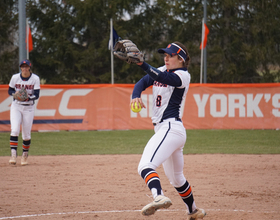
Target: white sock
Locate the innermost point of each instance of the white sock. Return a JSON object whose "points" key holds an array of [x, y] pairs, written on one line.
{"points": [[13, 152], [154, 192], [193, 208]]}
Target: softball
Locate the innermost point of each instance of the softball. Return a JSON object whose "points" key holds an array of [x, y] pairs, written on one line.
{"points": [[135, 107]]}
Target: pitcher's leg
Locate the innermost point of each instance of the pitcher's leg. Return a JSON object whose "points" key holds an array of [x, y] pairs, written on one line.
{"points": [[154, 155], [157, 150], [173, 168]]}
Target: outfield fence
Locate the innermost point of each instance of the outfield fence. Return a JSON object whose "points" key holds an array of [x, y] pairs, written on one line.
{"points": [[106, 107]]}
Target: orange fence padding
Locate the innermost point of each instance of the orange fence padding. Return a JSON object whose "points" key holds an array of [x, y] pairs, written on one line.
{"points": [[106, 107]]}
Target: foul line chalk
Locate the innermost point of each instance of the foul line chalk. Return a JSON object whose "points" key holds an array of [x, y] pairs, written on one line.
{"points": [[68, 213], [120, 211]]}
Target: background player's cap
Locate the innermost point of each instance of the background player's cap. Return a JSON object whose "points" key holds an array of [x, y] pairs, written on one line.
{"points": [[174, 49], [25, 62]]}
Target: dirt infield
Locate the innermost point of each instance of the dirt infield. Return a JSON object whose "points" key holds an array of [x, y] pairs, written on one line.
{"points": [[108, 187]]}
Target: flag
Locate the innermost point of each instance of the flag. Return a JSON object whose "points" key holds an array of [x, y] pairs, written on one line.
{"points": [[206, 32], [29, 39], [115, 39]]}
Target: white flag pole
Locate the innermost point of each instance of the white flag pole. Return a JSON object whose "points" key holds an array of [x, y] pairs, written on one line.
{"points": [[22, 30], [202, 40], [112, 55], [27, 39]]}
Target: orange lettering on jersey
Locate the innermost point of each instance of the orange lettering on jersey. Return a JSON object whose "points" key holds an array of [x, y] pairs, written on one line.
{"points": [[158, 84], [28, 87]]}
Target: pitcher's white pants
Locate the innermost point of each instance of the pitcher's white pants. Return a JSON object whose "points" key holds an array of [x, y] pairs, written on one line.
{"points": [[21, 115], [166, 147]]}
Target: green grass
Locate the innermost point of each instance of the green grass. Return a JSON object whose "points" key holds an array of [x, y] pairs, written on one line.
{"points": [[134, 141], [233, 142]]}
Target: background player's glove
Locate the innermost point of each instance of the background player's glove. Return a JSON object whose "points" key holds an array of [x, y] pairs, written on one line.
{"points": [[21, 95], [126, 50]]}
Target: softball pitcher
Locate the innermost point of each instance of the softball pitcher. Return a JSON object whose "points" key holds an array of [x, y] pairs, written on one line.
{"points": [[25, 88], [170, 86]]}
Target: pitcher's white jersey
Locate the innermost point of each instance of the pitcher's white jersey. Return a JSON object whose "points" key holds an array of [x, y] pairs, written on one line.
{"points": [[169, 90], [32, 83], [167, 99]]}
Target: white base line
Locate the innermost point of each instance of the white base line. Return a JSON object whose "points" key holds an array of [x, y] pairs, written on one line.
{"points": [[120, 211]]}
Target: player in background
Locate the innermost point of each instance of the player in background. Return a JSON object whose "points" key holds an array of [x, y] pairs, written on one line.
{"points": [[170, 86], [22, 112]]}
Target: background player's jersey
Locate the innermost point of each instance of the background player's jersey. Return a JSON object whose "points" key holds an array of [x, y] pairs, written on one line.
{"points": [[167, 100], [30, 84]]}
